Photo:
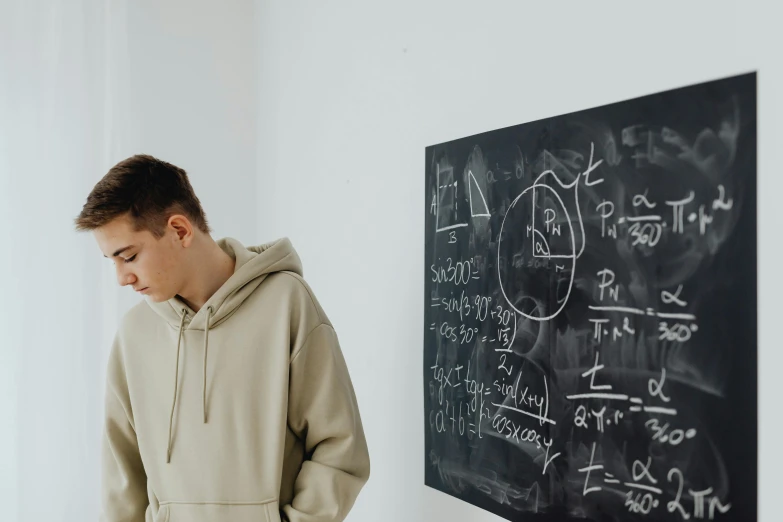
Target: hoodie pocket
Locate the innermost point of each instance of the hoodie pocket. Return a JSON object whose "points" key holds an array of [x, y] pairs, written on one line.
{"points": [[162, 515], [219, 512], [273, 511]]}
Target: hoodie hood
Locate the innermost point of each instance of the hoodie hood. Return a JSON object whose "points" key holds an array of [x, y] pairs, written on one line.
{"points": [[251, 266]]}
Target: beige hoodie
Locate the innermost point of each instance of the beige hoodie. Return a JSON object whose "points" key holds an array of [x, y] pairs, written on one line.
{"points": [[241, 412]]}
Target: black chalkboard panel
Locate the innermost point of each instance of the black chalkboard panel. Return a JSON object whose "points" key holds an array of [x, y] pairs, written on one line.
{"points": [[590, 312]]}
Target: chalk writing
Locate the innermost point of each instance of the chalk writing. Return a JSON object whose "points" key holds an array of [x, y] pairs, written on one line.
{"points": [[581, 320]]}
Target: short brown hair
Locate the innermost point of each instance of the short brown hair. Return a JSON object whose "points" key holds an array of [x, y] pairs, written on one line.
{"points": [[149, 189]]}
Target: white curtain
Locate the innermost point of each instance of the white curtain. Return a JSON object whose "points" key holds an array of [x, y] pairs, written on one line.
{"points": [[84, 84], [63, 119]]}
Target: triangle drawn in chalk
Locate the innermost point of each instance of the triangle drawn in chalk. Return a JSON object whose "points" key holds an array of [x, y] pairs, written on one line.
{"points": [[472, 183]]}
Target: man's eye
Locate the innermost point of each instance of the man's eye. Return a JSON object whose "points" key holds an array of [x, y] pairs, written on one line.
{"points": [[131, 258]]}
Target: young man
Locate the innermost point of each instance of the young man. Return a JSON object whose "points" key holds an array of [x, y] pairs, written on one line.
{"points": [[227, 395]]}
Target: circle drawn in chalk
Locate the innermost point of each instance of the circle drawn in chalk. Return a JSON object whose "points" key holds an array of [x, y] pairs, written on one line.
{"points": [[572, 256]]}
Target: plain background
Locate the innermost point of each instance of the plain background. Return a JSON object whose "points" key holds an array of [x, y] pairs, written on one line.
{"points": [[309, 120]]}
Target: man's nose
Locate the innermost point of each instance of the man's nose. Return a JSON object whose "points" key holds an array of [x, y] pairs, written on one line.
{"points": [[125, 278]]}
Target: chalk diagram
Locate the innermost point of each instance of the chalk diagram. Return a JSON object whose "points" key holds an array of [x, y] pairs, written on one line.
{"points": [[564, 259]]}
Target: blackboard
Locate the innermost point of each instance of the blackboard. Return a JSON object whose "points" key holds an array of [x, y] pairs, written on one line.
{"points": [[590, 312]]}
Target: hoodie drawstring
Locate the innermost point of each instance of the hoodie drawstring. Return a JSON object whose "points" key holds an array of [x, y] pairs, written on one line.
{"points": [[204, 382], [176, 384], [210, 311]]}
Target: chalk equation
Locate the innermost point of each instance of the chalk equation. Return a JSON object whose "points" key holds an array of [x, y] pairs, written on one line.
{"points": [[587, 351]]}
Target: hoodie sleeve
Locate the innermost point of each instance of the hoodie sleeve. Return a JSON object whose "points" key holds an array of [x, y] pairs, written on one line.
{"points": [[323, 412], [123, 481]]}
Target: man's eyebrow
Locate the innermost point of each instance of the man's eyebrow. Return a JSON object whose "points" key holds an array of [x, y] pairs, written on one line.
{"points": [[120, 251]]}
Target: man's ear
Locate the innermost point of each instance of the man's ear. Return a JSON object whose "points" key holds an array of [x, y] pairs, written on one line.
{"points": [[183, 229]]}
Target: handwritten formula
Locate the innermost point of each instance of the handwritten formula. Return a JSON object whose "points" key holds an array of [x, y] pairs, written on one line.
{"points": [[589, 343]]}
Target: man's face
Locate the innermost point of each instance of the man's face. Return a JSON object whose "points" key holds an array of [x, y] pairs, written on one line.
{"points": [[147, 264]]}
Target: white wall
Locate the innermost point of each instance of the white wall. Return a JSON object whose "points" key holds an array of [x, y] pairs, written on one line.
{"points": [[352, 92], [192, 88]]}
